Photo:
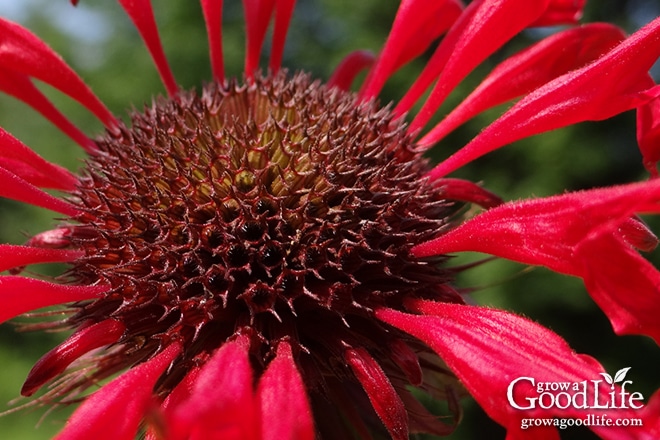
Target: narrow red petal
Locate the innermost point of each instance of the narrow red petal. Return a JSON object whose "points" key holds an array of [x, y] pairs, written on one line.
{"points": [[285, 410], [117, 409], [407, 360], [349, 68], [59, 358], [19, 295], [15, 188], [623, 284], [257, 16], [20, 87], [527, 70], [488, 349], [12, 256], [466, 191], [283, 13], [416, 25], [648, 134], [23, 52], [142, 15], [492, 24], [561, 12], [213, 17], [221, 404], [616, 82], [576, 234], [635, 232], [12, 148], [382, 395]]}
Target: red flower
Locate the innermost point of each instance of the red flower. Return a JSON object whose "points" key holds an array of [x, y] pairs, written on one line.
{"points": [[270, 259]]}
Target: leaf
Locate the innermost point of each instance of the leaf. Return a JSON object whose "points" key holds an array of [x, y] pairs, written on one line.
{"points": [[608, 378], [621, 374]]}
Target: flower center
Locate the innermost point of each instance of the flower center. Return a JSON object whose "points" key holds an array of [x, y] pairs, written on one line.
{"points": [[281, 207]]}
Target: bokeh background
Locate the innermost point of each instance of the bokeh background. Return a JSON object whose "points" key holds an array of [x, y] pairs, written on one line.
{"points": [[98, 40]]}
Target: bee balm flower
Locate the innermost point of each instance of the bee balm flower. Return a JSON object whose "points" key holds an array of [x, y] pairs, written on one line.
{"points": [[268, 256]]}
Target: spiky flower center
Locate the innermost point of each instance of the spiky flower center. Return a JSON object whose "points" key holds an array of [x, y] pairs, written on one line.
{"points": [[280, 207]]}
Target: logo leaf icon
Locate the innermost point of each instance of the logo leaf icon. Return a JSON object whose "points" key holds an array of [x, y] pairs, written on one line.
{"points": [[608, 378], [621, 374]]}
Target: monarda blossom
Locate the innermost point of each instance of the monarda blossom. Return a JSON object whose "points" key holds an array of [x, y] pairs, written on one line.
{"points": [[268, 257]]}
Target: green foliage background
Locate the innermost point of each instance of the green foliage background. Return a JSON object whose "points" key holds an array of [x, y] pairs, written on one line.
{"points": [[101, 44]]}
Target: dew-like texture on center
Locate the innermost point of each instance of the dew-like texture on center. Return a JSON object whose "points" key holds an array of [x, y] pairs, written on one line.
{"points": [[281, 208]]}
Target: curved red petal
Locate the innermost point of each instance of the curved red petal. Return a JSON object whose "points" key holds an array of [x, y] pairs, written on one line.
{"points": [[382, 395], [12, 148], [349, 68], [406, 359], [20, 87], [15, 188], [116, 410], [59, 358], [283, 12], [221, 404], [527, 70], [257, 16], [142, 15], [491, 24], [19, 295], [466, 191], [213, 18], [648, 134], [570, 234], [285, 410], [12, 256], [488, 349], [416, 25], [23, 52], [623, 284], [614, 83], [561, 12]]}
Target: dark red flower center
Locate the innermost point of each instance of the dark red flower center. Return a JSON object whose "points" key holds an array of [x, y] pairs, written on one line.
{"points": [[282, 208]]}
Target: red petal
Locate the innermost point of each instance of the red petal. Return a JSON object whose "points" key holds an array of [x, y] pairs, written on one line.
{"points": [[15, 188], [213, 18], [648, 134], [382, 395], [257, 17], [83, 341], [142, 15], [616, 82], [20, 87], [12, 148], [221, 404], [407, 360], [12, 256], [466, 191], [635, 232], [23, 52], [623, 284], [116, 410], [489, 25], [285, 411], [568, 234], [561, 12], [349, 68], [19, 295], [416, 25], [488, 349], [525, 71], [283, 12]]}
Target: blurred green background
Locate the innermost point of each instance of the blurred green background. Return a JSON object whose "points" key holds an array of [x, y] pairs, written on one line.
{"points": [[101, 44]]}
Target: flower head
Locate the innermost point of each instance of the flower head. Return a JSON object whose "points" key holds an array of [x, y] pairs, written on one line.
{"points": [[270, 256]]}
